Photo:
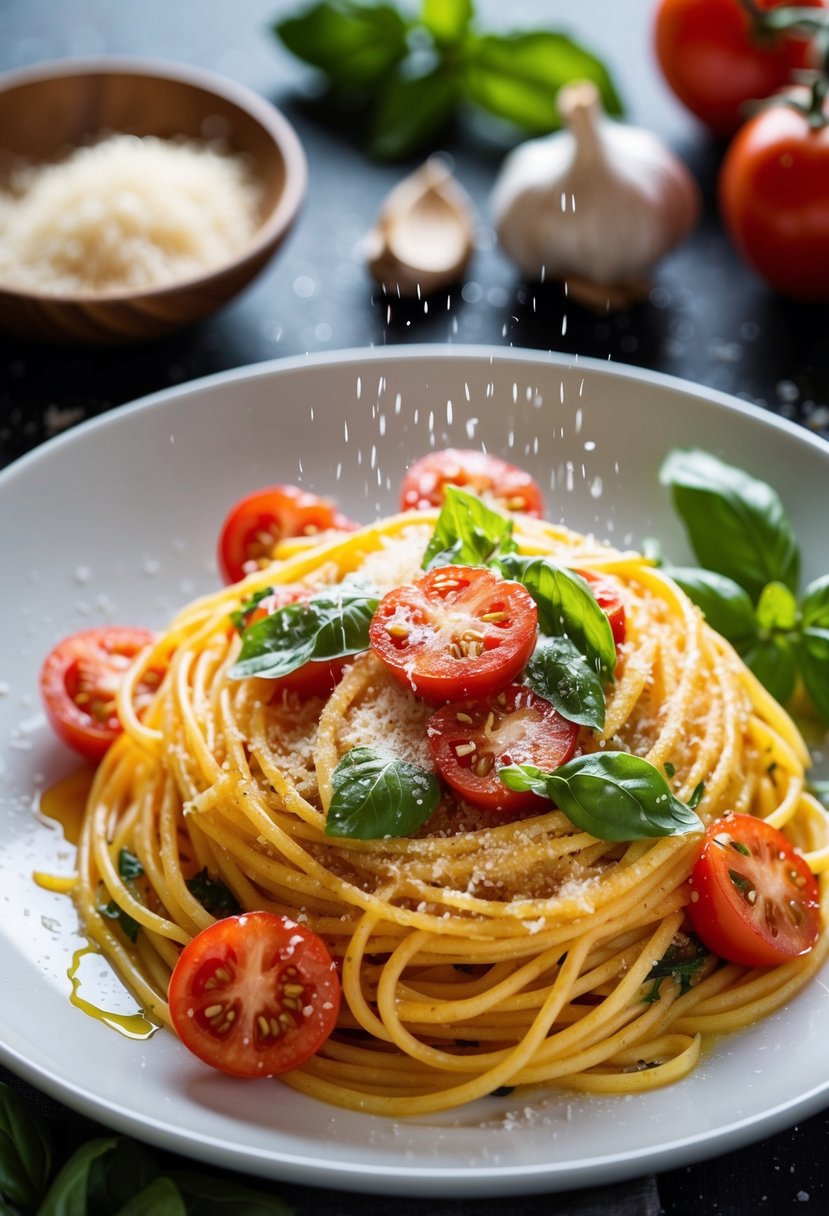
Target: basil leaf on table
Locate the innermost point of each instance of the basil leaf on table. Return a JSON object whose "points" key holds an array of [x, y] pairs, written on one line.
{"points": [[208, 1195], [446, 20], [331, 625], [467, 532], [612, 795], [560, 673], [517, 76], [25, 1151], [736, 524], [161, 1198], [566, 606], [70, 1188], [377, 795], [355, 45], [412, 112]]}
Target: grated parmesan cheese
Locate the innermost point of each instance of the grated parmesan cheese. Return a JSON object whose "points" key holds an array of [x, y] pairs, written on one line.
{"points": [[126, 213]]}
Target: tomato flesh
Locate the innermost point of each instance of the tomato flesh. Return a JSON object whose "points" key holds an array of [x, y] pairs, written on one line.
{"points": [[258, 522], [754, 900], [79, 682], [254, 995], [461, 631], [471, 741], [715, 63], [774, 200], [606, 591], [313, 679], [506, 485]]}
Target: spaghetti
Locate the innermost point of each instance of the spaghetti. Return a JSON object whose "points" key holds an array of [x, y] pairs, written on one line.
{"points": [[481, 952]]}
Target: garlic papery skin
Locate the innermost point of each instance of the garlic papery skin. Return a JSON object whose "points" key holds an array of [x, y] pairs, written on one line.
{"points": [[598, 203], [424, 235]]}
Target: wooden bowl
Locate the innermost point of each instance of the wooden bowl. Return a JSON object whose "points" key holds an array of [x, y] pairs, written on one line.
{"points": [[47, 110]]}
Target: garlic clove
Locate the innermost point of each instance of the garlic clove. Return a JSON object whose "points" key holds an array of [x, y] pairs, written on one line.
{"points": [[598, 203], [424, 235]]}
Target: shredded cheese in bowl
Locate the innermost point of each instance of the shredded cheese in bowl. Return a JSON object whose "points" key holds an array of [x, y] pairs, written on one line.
{"points": [[127, 213]]}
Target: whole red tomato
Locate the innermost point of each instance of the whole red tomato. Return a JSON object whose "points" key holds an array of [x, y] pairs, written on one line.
{"points": [[774, 200], [715, 61]]}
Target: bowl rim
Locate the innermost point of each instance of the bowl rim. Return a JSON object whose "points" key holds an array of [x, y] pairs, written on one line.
{"points": [[264, 112]]}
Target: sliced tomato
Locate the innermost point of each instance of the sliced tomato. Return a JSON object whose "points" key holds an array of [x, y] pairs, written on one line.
{"points": [[254, 995], [258, 522], [461, 631], [471, 741], [506, 485], [314, 679], [754, 900], [79, 682], [606, 590]]}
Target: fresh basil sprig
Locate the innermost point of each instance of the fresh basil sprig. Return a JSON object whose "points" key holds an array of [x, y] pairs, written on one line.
{"points": [[736, 524], [404, 78], [566, 606], [739, 529], [377, 795], [467, 532], [560, 673], [129, 868], [213, 895], [612, 795], [331, 625]]}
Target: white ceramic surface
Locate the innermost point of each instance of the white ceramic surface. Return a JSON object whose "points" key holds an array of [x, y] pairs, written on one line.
{"points": [[116, 521]]}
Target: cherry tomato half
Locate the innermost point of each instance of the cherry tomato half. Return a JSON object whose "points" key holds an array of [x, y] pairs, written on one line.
{"points": [[715, 62], [774, 200], [79, 682], [314, 679], [754, 900], [606, 590], [258, 522], [254, 995], [459, 632], [507, 486], [472, 740]]}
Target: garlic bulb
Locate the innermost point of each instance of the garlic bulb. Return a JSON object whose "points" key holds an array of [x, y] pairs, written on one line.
{"points": [[424, 233], [596, 204]]}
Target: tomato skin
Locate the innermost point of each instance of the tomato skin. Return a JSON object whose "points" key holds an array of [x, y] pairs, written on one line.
{"points": [[511, 488], [252, 964], [314, 679], [758, 909], [606, 591], [434, 637], [515, 726], [259, 521], [78, 682], [774, 200], [715, 63]]}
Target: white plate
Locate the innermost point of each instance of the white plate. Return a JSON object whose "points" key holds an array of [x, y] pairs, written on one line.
{"points": [[116, 521]]}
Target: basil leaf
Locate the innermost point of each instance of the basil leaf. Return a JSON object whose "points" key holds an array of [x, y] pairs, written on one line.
{"points": [[560, 673], [129, 927], [213, 895], [611, 795], [776, 608], [240, 616], [467, 532], [115, 1177], [332, 625], [774, 662], [129, 867], [412, 111], [25, 1151], [814, 607], [447, 20], [725, 605], [813, 650], [517, 76], [376, 795], [736, 524], [354, 44], [566, 606], [161, 1198], [67, 1196], [215, 1196]]}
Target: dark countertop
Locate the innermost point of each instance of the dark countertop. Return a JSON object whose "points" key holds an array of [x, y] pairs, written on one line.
{"points": [[707, 319]]}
